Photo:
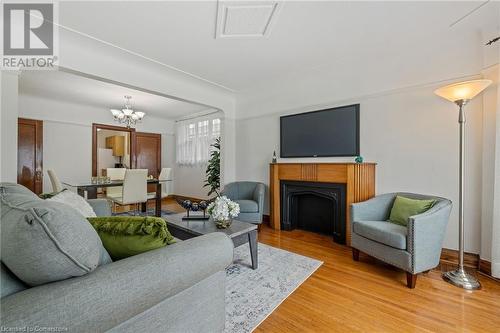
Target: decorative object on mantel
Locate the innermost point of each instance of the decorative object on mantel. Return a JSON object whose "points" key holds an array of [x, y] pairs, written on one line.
{"points": [[275, 159], [358, 159], [127, 115], [191, 206], [222, 209], [461, 93]]}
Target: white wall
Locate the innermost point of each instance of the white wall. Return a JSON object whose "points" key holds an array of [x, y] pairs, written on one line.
{"points": [[489, 172], [67, 129], [413, 136], [81, 54], [8, 123], [190, 181], [490, 215], [92, 58], [495, 233]]}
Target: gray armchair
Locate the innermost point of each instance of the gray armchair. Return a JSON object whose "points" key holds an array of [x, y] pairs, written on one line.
{"points": [[250, 197], [415, 248]]}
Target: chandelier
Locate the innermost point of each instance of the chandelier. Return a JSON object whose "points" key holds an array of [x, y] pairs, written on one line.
{"points": [[126, 115]]}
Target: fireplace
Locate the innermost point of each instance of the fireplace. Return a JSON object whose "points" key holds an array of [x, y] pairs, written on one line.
{"points": [[314, 206]]}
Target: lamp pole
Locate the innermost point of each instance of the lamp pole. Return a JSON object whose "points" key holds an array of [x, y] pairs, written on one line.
{"points": [[461, 191], [461, 93], [460, 277]]}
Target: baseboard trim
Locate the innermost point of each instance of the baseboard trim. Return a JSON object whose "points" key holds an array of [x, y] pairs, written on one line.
{"points": [[485, 266], [184, 197], [449, 257]]}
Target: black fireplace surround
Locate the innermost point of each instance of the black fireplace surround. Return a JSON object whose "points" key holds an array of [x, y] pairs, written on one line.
{"points": [[314, 206]]}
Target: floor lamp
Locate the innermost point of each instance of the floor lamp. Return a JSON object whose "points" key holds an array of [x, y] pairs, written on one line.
{"points": [[461, 93]]}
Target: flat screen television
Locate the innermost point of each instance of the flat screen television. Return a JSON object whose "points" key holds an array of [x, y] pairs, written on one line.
{"points": [[322, 133]]}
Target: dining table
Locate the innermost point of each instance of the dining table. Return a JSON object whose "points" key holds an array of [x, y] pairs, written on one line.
{"points": [[88, 190]]}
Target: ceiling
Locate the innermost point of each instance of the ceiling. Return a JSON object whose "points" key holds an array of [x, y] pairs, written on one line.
{"points": [[77, 89], [305, 35]]}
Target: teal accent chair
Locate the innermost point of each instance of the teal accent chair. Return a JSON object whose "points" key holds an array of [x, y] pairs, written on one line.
{"points": [[414, 248], [250, 197]]}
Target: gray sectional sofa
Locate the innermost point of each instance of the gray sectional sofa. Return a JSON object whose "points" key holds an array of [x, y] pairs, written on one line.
{"points": [[178, 288]]}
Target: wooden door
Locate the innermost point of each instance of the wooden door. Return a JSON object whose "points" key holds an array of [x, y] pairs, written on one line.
{"points": [[148, 153], [30, 154]]}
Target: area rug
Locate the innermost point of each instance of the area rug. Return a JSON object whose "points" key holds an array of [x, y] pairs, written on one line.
{"points": [[252, 295]]}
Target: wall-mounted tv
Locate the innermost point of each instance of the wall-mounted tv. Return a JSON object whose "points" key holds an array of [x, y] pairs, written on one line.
{"points": [[322, 133]]}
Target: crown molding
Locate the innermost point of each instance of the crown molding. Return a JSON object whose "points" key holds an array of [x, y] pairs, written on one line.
{"points": [[147, 58]]}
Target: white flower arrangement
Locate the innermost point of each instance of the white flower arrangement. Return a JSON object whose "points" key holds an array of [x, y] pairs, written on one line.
{"points": [[223, 208]]}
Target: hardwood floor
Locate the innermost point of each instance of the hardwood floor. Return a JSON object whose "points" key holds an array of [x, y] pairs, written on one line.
{"points": [[369, 296]]}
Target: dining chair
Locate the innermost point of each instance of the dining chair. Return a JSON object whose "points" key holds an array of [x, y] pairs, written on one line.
{"points": [[115, 174], [165, 179], [56, 183], [134, 189]]}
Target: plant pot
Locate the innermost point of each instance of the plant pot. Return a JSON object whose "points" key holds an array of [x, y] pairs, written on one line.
{"points": [[224, 224]]}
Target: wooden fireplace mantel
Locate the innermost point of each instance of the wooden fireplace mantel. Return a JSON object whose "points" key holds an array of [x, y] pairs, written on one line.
{"points": [[359, 180]]}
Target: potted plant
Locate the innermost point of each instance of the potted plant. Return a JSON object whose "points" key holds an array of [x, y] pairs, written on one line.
{"points": [[213, 169], [222, 209]]}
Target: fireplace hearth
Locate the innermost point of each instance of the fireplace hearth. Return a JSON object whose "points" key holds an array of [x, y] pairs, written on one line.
{"points": [[314, 206]]}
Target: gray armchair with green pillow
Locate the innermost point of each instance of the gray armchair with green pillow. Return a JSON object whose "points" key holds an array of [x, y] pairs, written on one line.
{"points": [[414, 247], [53, 275]]}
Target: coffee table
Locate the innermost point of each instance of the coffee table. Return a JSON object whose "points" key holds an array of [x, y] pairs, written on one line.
{"points": [[240, 232]]}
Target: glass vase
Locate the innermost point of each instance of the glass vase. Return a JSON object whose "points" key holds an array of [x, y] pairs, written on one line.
{"points": [[223, 224]]}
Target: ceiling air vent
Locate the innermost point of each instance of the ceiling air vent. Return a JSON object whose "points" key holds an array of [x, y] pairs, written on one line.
{"points": [[244, 19]]}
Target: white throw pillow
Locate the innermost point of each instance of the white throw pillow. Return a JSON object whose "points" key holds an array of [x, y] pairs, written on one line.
{"points": [[74, 200]]}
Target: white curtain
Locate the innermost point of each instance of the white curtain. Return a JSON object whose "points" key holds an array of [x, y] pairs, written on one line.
{"points": [[194, 137]]}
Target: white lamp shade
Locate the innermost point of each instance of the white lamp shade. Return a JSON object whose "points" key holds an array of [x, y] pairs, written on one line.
{"points": [[134, 116], [127, 112], [140, 114], [121, 116], [115, 112], [463, 90]]}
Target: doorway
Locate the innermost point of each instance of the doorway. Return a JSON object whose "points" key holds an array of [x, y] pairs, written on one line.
{"points": [[116, 146], [30, 154], [112, 147], [148, 152]]}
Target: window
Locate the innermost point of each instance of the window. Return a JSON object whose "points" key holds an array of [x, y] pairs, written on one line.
{"points": [[194, 137], [191, 131], [203, 128], [215, 128]]}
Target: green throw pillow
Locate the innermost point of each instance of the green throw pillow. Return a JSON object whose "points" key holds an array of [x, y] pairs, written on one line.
{"points": [[403, 208], [126, 236]]}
